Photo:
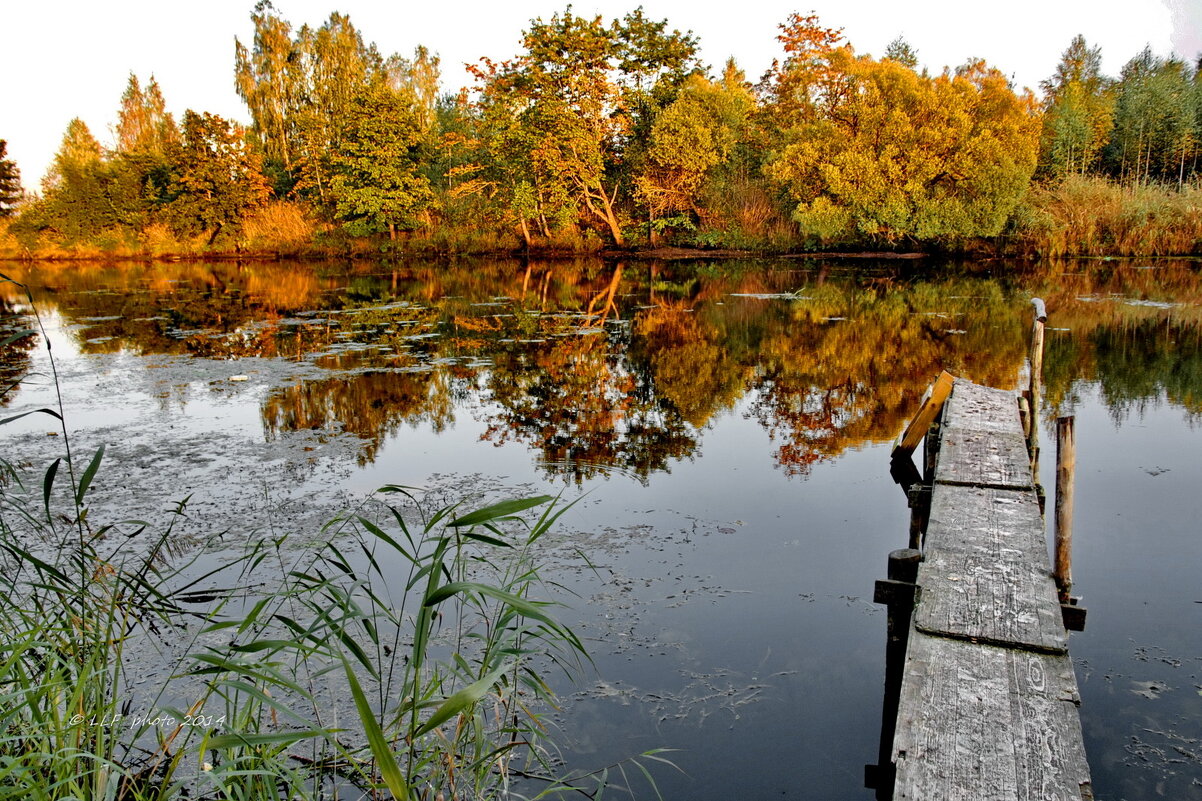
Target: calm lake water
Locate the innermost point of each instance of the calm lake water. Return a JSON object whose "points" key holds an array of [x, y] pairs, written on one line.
{"points": [[727, 426]]}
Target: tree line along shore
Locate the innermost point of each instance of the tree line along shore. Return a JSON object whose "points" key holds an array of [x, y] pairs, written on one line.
{"points": [[611, 135]]}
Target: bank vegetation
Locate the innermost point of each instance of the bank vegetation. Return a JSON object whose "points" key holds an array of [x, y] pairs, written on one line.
{"points": [[613, 135]]}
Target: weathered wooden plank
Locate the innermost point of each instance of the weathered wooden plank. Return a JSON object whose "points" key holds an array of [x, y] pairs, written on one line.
{"points": [[985, 573], [982, 439], [979, 723], [936, 395], [976, 408]]}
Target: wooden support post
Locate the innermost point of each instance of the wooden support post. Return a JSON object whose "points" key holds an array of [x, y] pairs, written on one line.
{"points": [[1024, 415], [930, 450], [1035, 387], [920, 513], [897, 593], [903, 565], [1066, 463], [904, 473]]}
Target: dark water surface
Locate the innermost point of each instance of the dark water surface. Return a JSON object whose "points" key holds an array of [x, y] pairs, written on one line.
{"points": [[728, 425]]}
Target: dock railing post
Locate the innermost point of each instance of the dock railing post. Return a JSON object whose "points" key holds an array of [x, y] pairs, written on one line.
{"points": [[1066, 462], [1035, 386]]}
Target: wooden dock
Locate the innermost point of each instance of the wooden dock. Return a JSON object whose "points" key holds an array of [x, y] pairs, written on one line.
{"points": [[986, 698]]}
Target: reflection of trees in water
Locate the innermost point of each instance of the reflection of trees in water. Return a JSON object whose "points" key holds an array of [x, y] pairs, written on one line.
{"points": [[849, 366], [687, 362], [16, 355], [370, 405], [223, 310], [1135, 363], [1134, 329], [580, 402], [840, 362]]}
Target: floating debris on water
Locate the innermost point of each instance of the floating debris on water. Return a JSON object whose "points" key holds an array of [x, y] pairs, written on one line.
{"points": [[1149, 689], [1154, 304], [770, 296]]}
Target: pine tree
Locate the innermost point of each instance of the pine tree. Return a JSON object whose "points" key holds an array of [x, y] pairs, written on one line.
{"points": [[900, 51], [216, 178], [10, 182]]}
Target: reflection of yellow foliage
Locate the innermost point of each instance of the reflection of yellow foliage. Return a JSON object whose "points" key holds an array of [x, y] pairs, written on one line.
{"points": [[855, 362], [694, 373], [841, 364], [279, 288], [371, 405], [579, 405]]}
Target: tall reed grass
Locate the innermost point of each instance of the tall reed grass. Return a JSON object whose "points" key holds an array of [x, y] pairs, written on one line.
{"points": [[1092, 216]]}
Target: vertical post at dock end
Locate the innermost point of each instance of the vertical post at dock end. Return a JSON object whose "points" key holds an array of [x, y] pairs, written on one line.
{"points": [[1066, 464], [1035, 385]]}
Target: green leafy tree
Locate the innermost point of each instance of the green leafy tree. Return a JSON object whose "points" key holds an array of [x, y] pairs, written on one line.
{"points": [[562, 121], [216, 177], [269, 78], [543, 125], [1078, 112], [651, 64], [75, 204], [376, 184], [145, 134], [691, 138], [565, 78], [10, 183], [1155, 134], [299, 88], [78, 151]]}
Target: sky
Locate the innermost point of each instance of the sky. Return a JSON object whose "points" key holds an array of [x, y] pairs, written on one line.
{"points": [[72, 58]]}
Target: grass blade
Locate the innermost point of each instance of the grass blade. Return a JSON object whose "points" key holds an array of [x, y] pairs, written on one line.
{"points": [[48, 484], [498, 510], [86, 480], [390, 771], [464, 699], [50, 412]]}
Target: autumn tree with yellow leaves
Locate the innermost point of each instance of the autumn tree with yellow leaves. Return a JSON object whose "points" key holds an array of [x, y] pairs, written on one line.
{"points": [[874, 150]]}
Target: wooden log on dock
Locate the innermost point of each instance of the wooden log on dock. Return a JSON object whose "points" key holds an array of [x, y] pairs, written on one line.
{"points": [[928, 410]]}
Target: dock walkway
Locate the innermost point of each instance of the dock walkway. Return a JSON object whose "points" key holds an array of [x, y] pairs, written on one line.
{"points": [[988, 704]]}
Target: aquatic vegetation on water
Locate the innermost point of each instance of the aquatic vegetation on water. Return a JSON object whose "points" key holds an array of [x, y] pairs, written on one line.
{"points": [[397, 659]]}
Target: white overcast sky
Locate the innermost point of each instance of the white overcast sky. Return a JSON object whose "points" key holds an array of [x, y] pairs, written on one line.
{"points": [[72, 58]]}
